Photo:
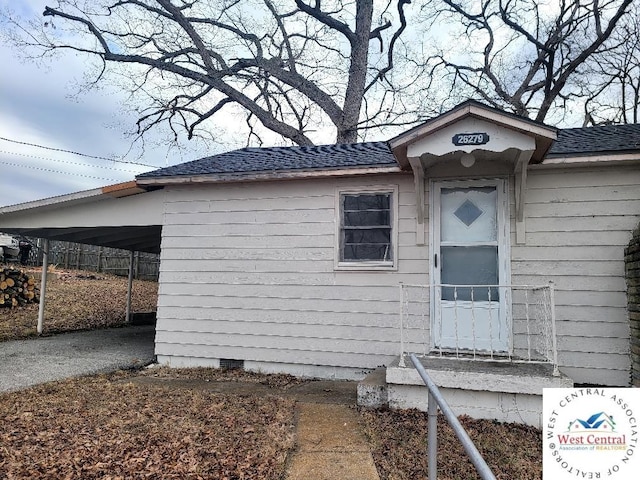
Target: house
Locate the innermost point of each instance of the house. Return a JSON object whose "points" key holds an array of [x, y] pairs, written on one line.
{"points": [[331, 261], [598, 422]]}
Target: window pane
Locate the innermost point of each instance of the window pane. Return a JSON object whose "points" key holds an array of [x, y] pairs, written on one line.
{"points": [[367, 217], [367, 201], [469, 266], [366, 227], [468, 214], [365, 251], [370, 235]]}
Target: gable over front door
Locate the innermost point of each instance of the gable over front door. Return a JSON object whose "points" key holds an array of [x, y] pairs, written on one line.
{"points": [[469, 220]]}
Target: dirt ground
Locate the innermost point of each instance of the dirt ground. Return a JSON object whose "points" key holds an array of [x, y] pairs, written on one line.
{"points": [[106, 427], [399, 447], [220, 424], [77, 300]]}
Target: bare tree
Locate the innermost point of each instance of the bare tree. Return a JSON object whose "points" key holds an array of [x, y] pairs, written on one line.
{"points": [[290, 66], [613, 93], [524, 54]]}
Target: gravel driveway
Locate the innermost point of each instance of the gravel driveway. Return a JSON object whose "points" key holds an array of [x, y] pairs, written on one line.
{"points": [[38, 360]]}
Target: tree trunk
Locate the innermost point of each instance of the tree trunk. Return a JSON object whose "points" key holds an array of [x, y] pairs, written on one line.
{"points": [[347, 130]]}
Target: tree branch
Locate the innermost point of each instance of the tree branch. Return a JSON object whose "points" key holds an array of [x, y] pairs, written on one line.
{"points": [[327, 20]]}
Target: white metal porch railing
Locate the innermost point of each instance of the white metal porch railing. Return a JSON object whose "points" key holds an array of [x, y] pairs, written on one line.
{"points": [[497, 322]]}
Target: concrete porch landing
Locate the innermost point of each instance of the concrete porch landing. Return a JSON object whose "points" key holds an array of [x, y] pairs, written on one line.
{"points": [[504, 391]]}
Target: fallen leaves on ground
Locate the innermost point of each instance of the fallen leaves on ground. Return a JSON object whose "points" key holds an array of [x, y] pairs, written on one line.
{"points": [[107, 427], [78, 300], [399, 447], [278, 380]]}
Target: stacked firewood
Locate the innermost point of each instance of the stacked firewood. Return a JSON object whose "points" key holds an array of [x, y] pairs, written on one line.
{"points": [[17, 288]]}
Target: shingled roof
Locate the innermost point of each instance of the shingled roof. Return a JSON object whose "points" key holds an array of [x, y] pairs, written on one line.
{"points": [[247, 161], [596, 140], [275, 159]]}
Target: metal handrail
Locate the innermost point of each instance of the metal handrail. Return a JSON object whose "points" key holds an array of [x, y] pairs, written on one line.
{"points": [[437, 400]]}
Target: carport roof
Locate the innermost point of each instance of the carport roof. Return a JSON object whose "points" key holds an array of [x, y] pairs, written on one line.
{"points": [[120, 216]]}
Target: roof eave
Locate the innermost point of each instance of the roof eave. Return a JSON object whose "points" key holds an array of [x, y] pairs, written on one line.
{"points": [[263, 176], [592, 159], [117, 190]]}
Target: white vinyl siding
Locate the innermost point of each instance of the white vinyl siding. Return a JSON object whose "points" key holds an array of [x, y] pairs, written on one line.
{"points": [[248, 273], [578, 222], [248, 270]]}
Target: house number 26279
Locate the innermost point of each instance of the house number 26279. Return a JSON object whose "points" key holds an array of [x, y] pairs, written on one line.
{"points": [[470, 138]]}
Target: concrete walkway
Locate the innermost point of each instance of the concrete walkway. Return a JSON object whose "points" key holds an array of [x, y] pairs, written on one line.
{"points": [[24, 363], [330, 445]]}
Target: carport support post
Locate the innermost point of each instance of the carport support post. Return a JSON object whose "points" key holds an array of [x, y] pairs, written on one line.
{"points": [[43, 283], [130, 287]]}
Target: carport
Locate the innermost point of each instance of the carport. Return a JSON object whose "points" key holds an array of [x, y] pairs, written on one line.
{"points": [[121, 216]]}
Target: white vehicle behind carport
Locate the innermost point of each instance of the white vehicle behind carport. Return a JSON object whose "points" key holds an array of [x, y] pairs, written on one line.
{"points": [[9, 247]]}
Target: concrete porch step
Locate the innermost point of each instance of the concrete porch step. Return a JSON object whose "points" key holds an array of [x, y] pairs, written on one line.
{"points": [[503, 391]]}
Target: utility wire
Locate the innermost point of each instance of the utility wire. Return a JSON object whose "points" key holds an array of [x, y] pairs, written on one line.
{"points": [[55, 171], [66, 162], [74, 153]]}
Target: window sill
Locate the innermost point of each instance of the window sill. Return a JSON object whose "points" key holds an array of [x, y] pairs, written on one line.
{"points": [[365, 266]]}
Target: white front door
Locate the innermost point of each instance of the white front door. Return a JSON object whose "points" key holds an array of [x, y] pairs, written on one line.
{"points": [[469, 243]]}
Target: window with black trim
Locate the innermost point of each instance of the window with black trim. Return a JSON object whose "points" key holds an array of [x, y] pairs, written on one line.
{"points": [[366, 228]]}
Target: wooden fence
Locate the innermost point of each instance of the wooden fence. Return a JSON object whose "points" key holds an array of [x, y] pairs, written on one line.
{"points": [[96, 259]]}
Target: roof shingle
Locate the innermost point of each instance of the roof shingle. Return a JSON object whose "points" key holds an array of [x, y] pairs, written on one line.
{"points": [[598, 139], [260, 160], [571, 141]]}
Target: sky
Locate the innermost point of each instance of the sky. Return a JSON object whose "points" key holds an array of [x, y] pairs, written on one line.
{"points": [[42, 121], [38, 106]]}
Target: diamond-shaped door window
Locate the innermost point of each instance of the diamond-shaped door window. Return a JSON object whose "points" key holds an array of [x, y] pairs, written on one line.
{"points": [[468, 212]]}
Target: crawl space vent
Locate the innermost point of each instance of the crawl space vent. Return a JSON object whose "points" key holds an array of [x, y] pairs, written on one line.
{"points": [[231, 364]]}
